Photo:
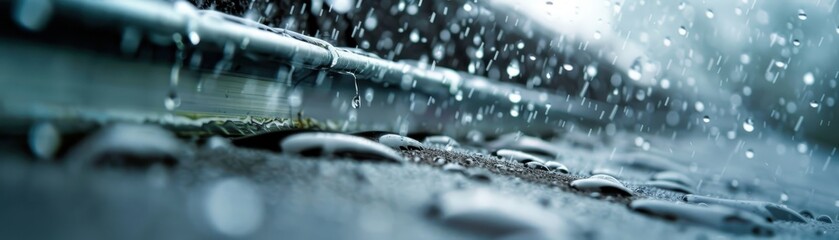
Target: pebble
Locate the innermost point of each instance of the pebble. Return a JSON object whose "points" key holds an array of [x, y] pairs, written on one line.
{"points": [[127, 145], [555, 166], [480, 175], [453, 167], [675, 177], [723, 218], [267, 141], [671, 186], [648, 161], [770, 211], [537, 165], [824, 219], [44, 140], [603, 184], [337, 144], [527, 144], [392, 140], [518, 156], [807, 214], [483, 211], [441, 140]]}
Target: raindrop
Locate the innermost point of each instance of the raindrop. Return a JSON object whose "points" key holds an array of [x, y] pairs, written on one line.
{"points": [[750, 154], [467, 7], [520, 45], [814, 104], [802, 148], [194, 38], [706, 119], [796, 43], [683, 30], [699, 106], [809, 79], [356, 101], [748, 125], [414, 37], [172, 101], [597, 34], [667, 41], [784, 197], [513, 69], [567, 67], [514, 97], [635, 69], [709, 13], [802, 15]]}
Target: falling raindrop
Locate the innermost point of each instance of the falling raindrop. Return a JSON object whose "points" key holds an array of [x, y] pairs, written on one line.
{"points": [[750, 154], [414, 37], [635, 69], [667, 41], [748, 125], [809, 79], [709, 13], [567, 67], [514, 97], [796, 43], [597, 34], [683, 30], [814, 104], [356, 101], [513, 69], [802, 15], [706, 119]]}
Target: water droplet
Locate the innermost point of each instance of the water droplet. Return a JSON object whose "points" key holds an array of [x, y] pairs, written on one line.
{"points": [[802, 148], [356, 101], [514, 112], [809, 79], [709, 13], [597, 34], [683, 30], [514, 97], [814, 104], [513, 69], [784, 197], [796, 43], [802, 15], [567, 67], [532, 58], [635, 69], [667, 41], [520, 45], [699, 106], [194, 38], [750, 154], [172, 101], [414, 37], [748, 125], [467, 7], [706, 119]]}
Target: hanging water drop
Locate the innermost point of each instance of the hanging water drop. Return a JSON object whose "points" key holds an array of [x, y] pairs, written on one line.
{"points": [[356, 101], [748, 125], [683, 30], [796, 43], [513, 69]]}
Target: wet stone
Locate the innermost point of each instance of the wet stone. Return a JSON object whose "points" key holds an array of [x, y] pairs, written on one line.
{"points": [[722, 218], [317, 144], [477, 174], [648, 161], [807, 214], [555, 166], [770, 211], [488, 213], [441, 141], [603, 184], [537, 165], [671, 186], [675, 177], [267, 141], [824, 219], [518, 156], [526, 144], [392, 140], [44, 140], [127, 145], [453, 167]]}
